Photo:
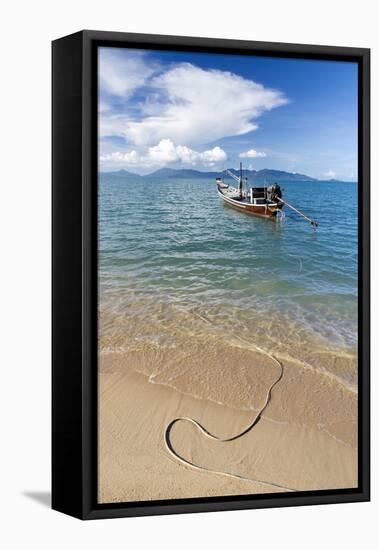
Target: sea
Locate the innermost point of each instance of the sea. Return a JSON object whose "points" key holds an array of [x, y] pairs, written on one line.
{"points": [[181, 275]]}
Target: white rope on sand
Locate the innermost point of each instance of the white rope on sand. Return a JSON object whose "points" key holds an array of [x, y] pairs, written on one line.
{"points": [[209, 435]]}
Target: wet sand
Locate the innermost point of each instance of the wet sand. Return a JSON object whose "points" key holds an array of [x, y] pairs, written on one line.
{"points": [[305, 440]]}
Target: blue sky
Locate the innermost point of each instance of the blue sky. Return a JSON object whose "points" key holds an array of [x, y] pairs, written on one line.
{"points": [[209, 111]]}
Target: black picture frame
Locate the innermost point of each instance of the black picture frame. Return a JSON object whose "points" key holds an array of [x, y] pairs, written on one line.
{"points": [[74, 272]]}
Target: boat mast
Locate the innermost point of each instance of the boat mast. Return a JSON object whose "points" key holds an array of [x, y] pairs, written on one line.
{"points": [[241, 180]]}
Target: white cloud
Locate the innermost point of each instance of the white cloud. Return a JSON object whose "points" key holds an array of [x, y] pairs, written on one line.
{"points": [[252, 153], [166, 152], [214, 155], [163, 153], [186, 104], [131, 158], [121, 74], [103, 107], [330, 174]]}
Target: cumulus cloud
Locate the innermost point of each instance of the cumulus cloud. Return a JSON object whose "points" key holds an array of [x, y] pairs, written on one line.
{"points": [[252, 153], [201, 106], [330, 174], [165, 152], [186, 103]]}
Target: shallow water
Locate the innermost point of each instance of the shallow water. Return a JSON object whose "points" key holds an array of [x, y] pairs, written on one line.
{"points": [[180, 271]]}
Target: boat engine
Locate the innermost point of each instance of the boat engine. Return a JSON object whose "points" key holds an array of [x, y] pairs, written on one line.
{"points": [[274, 192]]}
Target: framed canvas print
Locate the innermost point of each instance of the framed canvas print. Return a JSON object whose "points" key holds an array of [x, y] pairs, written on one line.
{"points": [[210, 274]]}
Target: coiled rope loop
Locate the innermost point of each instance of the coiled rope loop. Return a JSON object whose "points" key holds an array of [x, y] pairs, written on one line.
{"points": [[208, 434]]}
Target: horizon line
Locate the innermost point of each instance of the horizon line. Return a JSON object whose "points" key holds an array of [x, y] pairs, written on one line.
{"points": [[115, 171]]}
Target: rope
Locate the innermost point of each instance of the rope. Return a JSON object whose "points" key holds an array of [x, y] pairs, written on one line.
{"points": [[209, 435]]}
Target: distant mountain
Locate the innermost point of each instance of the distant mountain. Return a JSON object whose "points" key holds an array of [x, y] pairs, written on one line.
{"points": [[279, 175], [270, 176], [258, 176], [122, 174], [264, 176]]}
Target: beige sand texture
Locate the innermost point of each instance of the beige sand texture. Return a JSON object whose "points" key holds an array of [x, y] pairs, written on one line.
{"points": [[305, 440]]}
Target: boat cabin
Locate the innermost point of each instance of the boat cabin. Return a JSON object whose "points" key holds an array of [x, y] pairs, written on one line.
{"points": [[261, 195], [258, 195]]}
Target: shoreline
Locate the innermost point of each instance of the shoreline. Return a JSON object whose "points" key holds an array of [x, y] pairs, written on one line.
{"points": [[293, 444]]}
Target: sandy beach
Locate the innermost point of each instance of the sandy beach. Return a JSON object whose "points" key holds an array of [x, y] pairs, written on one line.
{"points": [[305, 440]]}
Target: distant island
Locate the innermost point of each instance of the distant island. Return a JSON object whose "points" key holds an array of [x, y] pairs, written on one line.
{"points": [[257, 176]]}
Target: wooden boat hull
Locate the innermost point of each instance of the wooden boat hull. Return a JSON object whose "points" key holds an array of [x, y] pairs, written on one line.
{"points": [[262, 211]]}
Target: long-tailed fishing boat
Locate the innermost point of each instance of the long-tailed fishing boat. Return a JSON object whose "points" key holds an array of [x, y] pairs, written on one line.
{"points": [[258, 201], [265, 202]]}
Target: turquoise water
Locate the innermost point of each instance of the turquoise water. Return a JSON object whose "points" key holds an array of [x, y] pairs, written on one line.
{"points": [[171, 247]]}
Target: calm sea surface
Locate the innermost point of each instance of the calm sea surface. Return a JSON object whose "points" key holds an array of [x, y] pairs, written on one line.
{"points": [[173, 258]]}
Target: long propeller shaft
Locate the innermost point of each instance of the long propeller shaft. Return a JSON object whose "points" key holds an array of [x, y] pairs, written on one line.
{"points": [[312, 222]]}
